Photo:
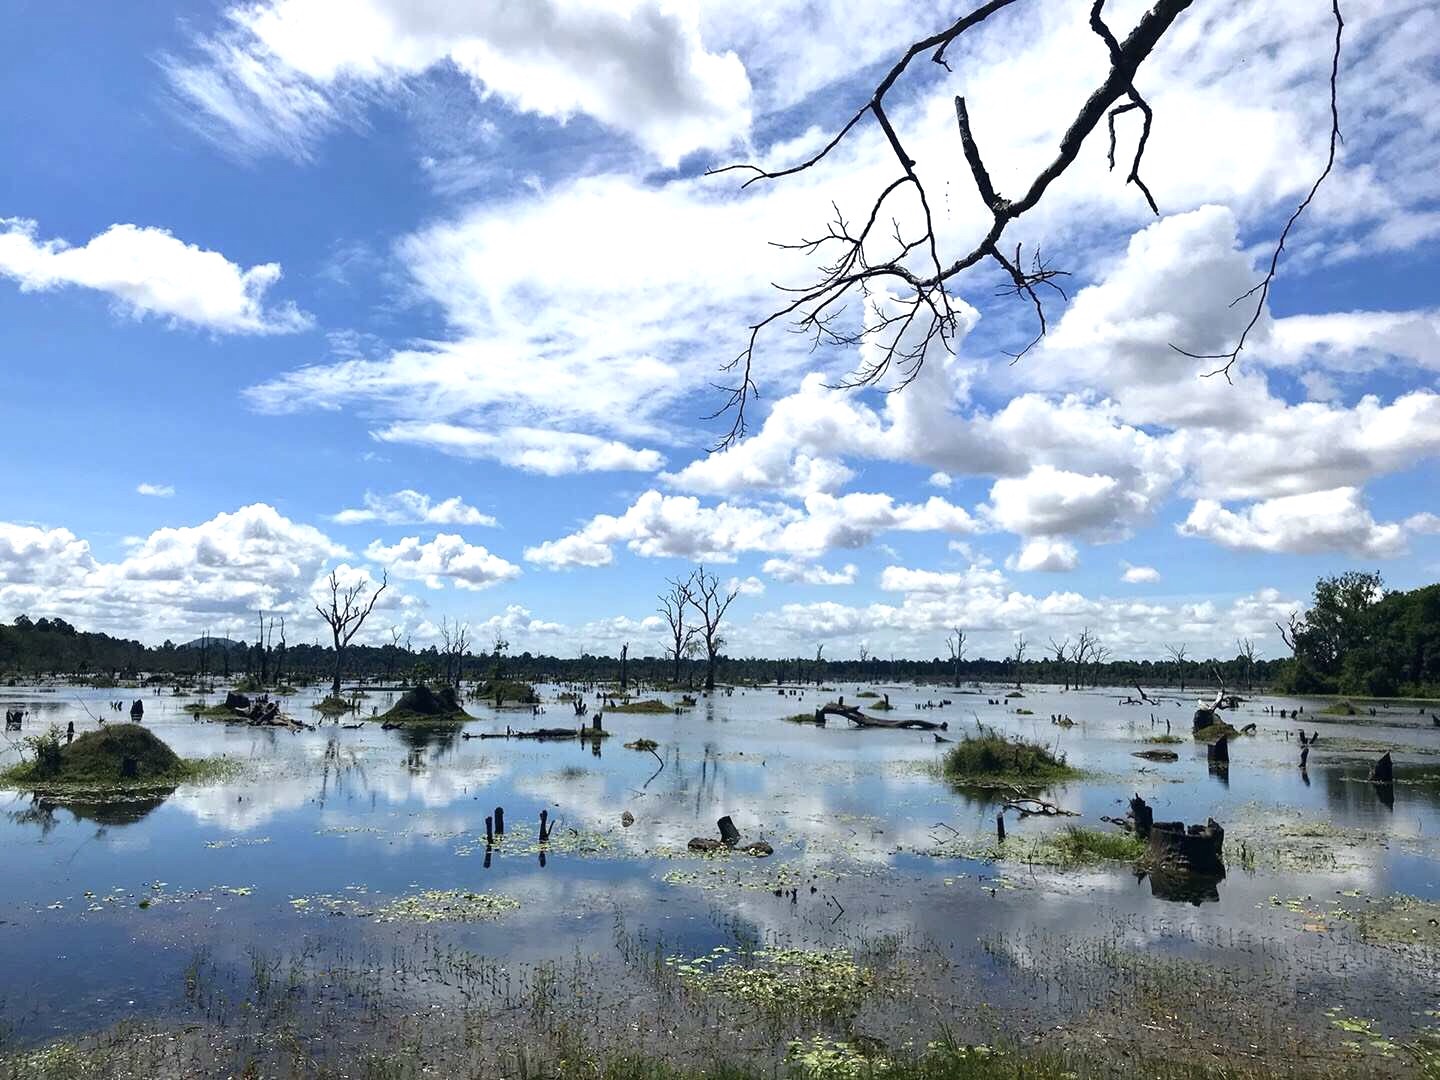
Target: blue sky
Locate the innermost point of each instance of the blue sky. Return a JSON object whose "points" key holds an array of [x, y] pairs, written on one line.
{"points": [[442, 293]]}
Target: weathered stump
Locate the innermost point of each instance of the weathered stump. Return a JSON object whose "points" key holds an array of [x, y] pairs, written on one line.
{"points": [[1203, 718], [1143, 816], [729, 834], [1383, 771], [1197, 849], [237, 701], [137, 710], [1218, 752]]}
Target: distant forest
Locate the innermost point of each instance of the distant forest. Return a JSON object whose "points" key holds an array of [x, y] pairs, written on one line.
{"points": [[1355, 638]]}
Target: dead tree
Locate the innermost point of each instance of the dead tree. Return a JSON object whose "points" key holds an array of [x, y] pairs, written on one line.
{"points": [[345, 613], [1246, 650], [1020, 646], [1177, 654], [624, 666], [956, 644], [710, 600], [819, 669], [859, 259], [673, 605], [1292, 634], [1061, 649], [454, 644]]}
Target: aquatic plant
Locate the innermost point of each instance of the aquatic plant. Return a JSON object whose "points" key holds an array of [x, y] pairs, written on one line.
{"points": [[782, 980], [652, 705], [992, 760], [114, 756]]}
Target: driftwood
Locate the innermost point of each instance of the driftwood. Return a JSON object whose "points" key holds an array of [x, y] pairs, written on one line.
{"points": [[860, 719], [1027, 806], [556, 733]]}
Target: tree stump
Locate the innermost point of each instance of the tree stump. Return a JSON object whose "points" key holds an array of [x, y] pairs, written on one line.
{"points": [[1197, 849], [1143, 815], [1219, 751], [729, 834], [1383, 771]]}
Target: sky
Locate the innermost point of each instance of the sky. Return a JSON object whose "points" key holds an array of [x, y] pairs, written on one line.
{"points": [[442, 291]]}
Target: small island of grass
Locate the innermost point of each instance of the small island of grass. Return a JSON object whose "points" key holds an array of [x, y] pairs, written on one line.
{"points": [[422, 705], [652, 705], [992, 760], [503, 692], [117, 756]]}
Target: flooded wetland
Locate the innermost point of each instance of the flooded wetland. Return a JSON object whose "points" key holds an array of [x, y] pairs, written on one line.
{"points": [[325, 902]]}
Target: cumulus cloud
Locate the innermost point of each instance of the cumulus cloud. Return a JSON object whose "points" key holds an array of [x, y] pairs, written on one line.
{"points": [[282, 72], [538, 450], [410, 507], [1139, 575], [448, 557], [808, 573], [155, 491], [1334, 520], [148, 271], [659, 525], [1051, 501], [1045, 553]]}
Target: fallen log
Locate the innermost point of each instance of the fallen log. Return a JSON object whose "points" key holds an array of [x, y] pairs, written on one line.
{"points": [[860, 719]]}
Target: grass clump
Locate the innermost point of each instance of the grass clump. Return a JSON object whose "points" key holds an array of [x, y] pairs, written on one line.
{"points": [[1164, 740], [1216, 731], [334, 706], [1340, 708], [119, 756], [642, 744], [651, 705], [992, 760], [801, 718], [422, 705]]}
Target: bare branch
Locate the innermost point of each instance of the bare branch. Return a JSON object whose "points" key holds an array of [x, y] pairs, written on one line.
{"points": [[1261, 291]]}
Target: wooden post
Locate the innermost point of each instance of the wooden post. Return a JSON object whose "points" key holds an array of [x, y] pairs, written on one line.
{"points": [[544, 830], [489, 830], [729, 834], [499, 821], [1000, 826]]}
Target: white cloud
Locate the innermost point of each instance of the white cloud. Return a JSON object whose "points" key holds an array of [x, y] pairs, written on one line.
{"points": [[410, 507], [1045, 553], [156, 491], [940, 480], [147, 271], [448, 557], [749, 586], [659, 525], [808, 573], [1051, 501], [1335, 520], [1139, 575], [284, 71], [551, 453], [33, 556], [1423, 522]]}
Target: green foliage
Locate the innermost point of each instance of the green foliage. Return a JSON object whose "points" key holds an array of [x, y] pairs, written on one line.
{"points": [[97, 760], [991, 759], [1358, 639], [502, 692]]}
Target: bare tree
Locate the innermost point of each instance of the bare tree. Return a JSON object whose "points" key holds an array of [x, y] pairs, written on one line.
{"points": [[454, 643], [819, 668], [1021, 645], [1291, 634], [1246, 649], [395, 635], [1061, 649], [956, 644], [673, 605], [1100, 654], [709, 600], [859, 260], [624, 666], [1081, 653], [345, 613], [1177, 654], [279, 665]]}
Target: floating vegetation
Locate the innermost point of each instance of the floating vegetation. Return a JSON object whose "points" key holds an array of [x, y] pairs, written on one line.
{"points": [[1214, 732], [992, 760], [780, 980], [335, 706], [1396, 919], [431, 905], [562, 841], [1164, 740], [642, 744], [237, 841], [1068, 847]]}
